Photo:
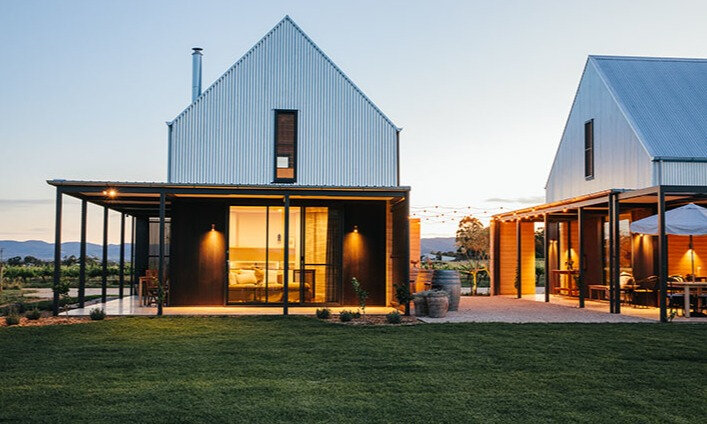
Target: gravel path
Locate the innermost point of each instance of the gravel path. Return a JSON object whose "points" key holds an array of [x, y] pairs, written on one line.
{"points": [[512, 310], [46, 293]]}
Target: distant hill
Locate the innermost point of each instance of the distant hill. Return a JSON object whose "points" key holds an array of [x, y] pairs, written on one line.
{"points": [[45, 251], [437, 244]]}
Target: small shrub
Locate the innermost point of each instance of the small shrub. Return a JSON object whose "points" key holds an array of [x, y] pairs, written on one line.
{"points": [[12, 319], [324, 313], [394, 317], [403, 296], [33, 314], [361, 294], [356, 314], [21, 307], [346, 316], [97, 314]]}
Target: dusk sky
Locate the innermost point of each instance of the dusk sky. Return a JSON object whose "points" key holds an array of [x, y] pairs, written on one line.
{"points": [[481, 89]]}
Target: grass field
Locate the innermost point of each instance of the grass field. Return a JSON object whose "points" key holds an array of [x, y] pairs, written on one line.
{"points": [[276, 369]]}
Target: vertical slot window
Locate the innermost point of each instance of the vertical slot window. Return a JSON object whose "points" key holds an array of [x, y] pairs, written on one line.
{"points": [[589, 150], [285, 146]]}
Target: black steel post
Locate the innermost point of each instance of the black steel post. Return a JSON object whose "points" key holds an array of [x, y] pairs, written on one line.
{"points": [[104, 262], [662, 256], [617, 255], [160, 278], [121, 270], [286, 257], [133, 277], [612, 283], [57, 253], [580, 259], [546, 250], [406, 250], [518, 261], [82, 255]]}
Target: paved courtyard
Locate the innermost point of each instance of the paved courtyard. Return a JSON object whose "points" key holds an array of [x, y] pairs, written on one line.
{"points": [[532, 310]]}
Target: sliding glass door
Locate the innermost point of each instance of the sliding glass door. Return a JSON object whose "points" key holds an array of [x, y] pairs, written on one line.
{"points": [[256, 255]]}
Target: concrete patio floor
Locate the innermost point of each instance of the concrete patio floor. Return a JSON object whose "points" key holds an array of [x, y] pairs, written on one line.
{"points": [[507, 309], [533, 309], [130, 305]]}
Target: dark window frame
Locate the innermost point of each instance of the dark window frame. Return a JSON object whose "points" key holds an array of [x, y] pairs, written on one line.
{"points": [[294, 153], [589, 150]]}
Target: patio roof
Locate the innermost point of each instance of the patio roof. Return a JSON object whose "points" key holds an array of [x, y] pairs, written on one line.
{"points": [[143, 198], [599, 202]]}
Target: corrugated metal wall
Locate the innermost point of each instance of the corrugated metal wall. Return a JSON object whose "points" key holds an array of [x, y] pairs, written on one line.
{"points": [[620, 160], [683, 173], [227, 135]]}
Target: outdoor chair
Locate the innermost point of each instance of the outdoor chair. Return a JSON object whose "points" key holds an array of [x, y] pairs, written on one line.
{"points": [[646, 288], [152, 293], [674, 295]]}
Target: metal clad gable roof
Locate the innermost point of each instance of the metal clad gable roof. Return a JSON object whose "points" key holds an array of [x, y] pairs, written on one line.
{"points": [[226, 135], [665, 99], [284, 21]]}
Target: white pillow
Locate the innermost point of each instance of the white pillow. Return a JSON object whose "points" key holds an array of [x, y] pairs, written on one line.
{"points": [[246, 276], [272, 276]]}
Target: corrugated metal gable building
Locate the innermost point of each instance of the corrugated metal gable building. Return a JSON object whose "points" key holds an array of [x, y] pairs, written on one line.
{"points": [[650, 126], [226, 135], [634, 145]]}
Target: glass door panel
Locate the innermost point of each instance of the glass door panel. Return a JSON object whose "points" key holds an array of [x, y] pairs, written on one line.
{"points": [[276, 255], [247, 254], [322, 242]]}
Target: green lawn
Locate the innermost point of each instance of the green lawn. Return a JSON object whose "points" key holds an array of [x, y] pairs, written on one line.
{"points": [[275, 369]]}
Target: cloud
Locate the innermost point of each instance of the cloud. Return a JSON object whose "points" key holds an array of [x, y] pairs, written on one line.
{"points": [[9, 203], [531, 200]]}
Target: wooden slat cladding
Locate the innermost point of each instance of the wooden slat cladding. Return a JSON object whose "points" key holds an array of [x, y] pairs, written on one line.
{"points": [[285, 145], [507, 258]]}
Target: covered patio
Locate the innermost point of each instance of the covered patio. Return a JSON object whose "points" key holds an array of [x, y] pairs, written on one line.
{"points": [[590, 255], [181, 237]]}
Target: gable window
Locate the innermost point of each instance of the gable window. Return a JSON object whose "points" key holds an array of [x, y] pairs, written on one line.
{"points": [[589, 150], [285, 146]]}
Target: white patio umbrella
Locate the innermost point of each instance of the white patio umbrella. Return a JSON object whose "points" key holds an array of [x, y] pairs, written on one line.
{"points": [[689, 220]]}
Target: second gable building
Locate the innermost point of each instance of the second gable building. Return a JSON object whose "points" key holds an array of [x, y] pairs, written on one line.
{"points": [[634, 145]]}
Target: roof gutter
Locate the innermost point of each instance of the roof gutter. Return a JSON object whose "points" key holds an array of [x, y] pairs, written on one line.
{"points": [[678, 159]]}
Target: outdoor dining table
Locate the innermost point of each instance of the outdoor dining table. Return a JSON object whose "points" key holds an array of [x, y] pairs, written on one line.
{"points": [[687, 286], [569, 273]]}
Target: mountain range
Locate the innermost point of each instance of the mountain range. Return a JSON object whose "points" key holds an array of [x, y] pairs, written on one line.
{"points": [[45, 251], [437, 244]]}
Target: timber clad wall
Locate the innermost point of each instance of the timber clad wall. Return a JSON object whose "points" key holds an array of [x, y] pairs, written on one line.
{"points": [[197, 254], [227, 135], [364, 251], [507, 258]]}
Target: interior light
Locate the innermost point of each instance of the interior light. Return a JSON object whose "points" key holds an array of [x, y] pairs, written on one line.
{"points": [[355, 229]]}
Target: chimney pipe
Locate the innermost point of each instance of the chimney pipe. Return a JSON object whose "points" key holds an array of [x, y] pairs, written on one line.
{"points": [[196, 73]]}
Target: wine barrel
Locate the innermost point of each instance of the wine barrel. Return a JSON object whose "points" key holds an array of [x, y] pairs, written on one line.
{"points": [[448, 280]]}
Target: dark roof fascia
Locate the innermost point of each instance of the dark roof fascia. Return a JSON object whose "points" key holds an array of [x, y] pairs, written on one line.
{"points": [[69, 186]]}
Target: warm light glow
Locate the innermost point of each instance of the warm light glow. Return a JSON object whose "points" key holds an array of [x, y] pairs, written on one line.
{"points": [[110, 193], [355, 229], [213, 227]]}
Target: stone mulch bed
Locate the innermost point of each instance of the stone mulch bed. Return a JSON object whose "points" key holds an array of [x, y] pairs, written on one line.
{"points": [[373, 320], [48, 320]]}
